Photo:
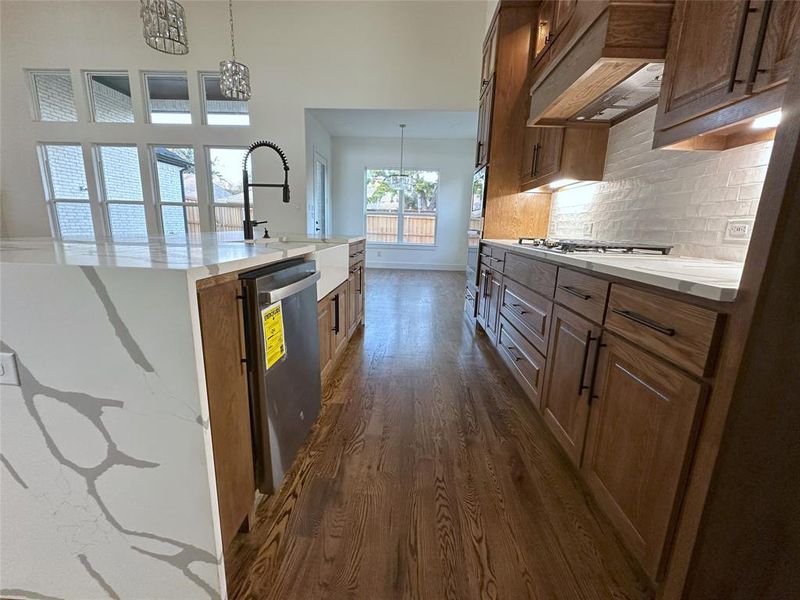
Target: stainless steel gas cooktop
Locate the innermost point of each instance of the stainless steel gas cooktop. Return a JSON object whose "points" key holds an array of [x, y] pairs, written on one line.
{"points": [[558, 245]]}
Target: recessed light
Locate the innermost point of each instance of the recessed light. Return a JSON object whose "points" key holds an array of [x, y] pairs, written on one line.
{"points": [[559, 183], [767, 121]]}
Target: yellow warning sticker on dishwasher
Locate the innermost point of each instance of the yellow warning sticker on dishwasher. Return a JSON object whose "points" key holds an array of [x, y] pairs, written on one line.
{"points": [[274, 340]]}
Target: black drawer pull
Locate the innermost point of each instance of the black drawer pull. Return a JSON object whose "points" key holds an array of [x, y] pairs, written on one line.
{"points": [[511, 352], [574, 292], [642, 320], [517, 307]]}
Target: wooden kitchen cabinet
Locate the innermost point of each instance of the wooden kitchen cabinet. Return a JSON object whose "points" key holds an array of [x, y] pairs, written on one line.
{"points": [[339, 300], [644, 419], [222, 330], [570, 364], [781, 37], [489, 292], [726, 62], [325, 328], [489, 56], [484, 125], [553, 153]]}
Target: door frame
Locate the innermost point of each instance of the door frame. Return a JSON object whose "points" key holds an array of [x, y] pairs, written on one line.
{"points": [[317, 156]]}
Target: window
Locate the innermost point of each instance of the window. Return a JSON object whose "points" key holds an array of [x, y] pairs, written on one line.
{"points": [[110, 97], [401, 217], [65, 187], [176, 190], [225, 166], [121, 189], [217, 109], [53, 98], [168, 98]]}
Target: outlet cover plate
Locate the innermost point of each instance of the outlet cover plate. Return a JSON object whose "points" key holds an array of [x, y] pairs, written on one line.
{"points": [[8, 369], [738, 231]]}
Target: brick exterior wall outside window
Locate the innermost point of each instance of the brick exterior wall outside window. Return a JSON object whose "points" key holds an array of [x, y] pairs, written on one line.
{"points": [[670, 196], [54, 96], [110, 106]]}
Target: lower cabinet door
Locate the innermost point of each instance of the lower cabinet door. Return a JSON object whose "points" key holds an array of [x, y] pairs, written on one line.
{"points": [[495, 291], [570, 364], [352, 306], [339, 308], [642, 430], [325, 327]]}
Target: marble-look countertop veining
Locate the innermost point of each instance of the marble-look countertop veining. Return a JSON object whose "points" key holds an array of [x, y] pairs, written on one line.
{"points": [[705, 278], [202, 255]]}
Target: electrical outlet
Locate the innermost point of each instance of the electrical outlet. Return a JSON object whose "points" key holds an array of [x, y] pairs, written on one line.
{"points": [[738, 230], [587, 229], [8, 369]]}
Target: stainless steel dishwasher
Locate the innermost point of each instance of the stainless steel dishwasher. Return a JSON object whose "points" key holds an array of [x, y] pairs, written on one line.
{"points": [[282, 364]]}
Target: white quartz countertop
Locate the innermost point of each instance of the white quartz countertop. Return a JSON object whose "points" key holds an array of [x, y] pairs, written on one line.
{"points": [[712, 279], [325, 239], [203, 255]]}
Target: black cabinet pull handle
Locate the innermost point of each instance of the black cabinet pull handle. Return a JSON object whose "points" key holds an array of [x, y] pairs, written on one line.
{"points": [[642, 320], [511, 352], [574, 292], [517, 307], [587, 348], [336, 314]]}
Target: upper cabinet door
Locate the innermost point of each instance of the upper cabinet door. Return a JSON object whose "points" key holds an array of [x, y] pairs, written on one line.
{"points": [[781, 37], [545, 27], [489, 56], [548, 158], [710, 53], [562, 12]]}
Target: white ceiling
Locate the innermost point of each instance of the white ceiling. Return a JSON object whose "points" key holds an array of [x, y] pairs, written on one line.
{"points": [[428, 124]]}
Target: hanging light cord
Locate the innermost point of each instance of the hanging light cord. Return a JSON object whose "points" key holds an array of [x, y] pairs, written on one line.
{"points": [[230, 13]]}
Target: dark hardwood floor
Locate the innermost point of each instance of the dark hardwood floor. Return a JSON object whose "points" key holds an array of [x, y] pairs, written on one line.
{"points": [[428, 476]]}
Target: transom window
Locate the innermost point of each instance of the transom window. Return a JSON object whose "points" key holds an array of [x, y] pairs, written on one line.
{"points": [[397, 216]]}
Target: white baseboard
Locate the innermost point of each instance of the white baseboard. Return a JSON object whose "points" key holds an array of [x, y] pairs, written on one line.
{"points": [[371, 264]]}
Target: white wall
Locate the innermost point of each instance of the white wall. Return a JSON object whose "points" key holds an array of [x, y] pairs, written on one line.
{"points": [[301, 54], [454, 161], [669, 196]]}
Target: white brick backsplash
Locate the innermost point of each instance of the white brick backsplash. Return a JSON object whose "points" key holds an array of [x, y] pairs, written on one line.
{"points": [[669, 196]]}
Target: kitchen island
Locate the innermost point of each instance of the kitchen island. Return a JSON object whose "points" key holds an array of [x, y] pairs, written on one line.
{"points": [[108, 477]]}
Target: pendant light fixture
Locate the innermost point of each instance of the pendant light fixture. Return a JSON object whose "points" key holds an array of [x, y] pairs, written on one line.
{"points": [[234, 77], [401, 181], [164, 26]]}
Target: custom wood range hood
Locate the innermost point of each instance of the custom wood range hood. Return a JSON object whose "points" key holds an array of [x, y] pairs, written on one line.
{"points": [[597, 61]]}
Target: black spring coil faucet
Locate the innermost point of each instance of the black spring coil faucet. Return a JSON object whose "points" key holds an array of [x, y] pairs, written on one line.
{"points": [[249, 223]]}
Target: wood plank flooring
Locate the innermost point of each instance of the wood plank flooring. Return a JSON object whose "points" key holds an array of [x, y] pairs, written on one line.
{"points": [[428, 476]]}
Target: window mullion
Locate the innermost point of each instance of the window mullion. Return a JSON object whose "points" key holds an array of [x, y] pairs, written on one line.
{"points": [[92, 183], [149, 187]]}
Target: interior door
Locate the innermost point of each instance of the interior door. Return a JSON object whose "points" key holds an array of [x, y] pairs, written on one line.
{"points": [[318, 222]]}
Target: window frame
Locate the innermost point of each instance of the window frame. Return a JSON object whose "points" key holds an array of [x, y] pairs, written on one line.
{"points": [[399, 244], [33, 94], [156, 183], [87, 77], [146, 97], [49, 190], [212, 203], [201, 78], [97, 158]]}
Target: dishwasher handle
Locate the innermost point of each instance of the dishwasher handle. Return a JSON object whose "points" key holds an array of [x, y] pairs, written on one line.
{"points": [[289, 290]]}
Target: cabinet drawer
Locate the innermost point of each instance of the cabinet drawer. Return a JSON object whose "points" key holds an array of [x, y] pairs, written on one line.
{"points": [[493, 257], [535, 274], [584, 294], [528, 312], [683, 334], [524, 361], [357, 252]]}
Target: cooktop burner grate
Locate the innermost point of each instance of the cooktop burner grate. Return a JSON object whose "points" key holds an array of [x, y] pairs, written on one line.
{"points": [[595, 246]]}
